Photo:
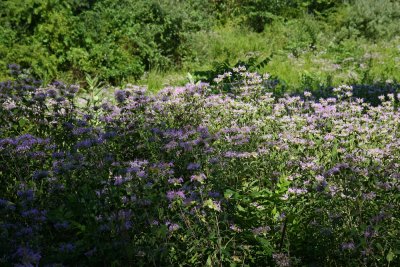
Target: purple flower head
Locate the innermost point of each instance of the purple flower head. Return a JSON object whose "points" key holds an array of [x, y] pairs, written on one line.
{"points": [[27, 255], [81, 130], [26, 194], [106, 106], [124, 214], [204, 133], [120, 96], [369, 232], [384, 185], [73, 88], [61, 225], [369, 196], [380, 217], [67, 247], [14, 66], [37, 154], [231, 154], [175, 180], [109, 135], [156, 130], [321, 186], [86, 143], [52, 93], [58, 155], [127, 225], [171, 145], [172, 226], [14, 69], [297, 191], [59, 85], [187, 146], [141, 174], [3, 202], [171, 195], [214, 194], [60, 99], [40, 96], [198, 178], [68, 125], [180, 194], [348, 246], [26, 231], [22, 148], [329, 137], [261, 230], [40, 174], [213, 160], [118, 180], [235, 228], [38, 215], [155, 222], [137, 166], [216, 205], [281, 259], [193, 166]]}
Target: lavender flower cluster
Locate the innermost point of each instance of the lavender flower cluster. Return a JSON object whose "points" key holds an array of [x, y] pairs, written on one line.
{"points": [[189, 176]]}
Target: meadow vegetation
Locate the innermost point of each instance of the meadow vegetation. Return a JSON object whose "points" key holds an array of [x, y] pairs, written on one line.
{"points": [[156, 43], [199, 133]]}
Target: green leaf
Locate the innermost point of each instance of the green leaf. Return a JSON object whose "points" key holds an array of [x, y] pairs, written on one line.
{"points": [[334, 151], [209, 262], [390, 256], [211, 205], [274, 211], [190, 78], [229, 193], [240, 208], [79, 226], [22, 122]]}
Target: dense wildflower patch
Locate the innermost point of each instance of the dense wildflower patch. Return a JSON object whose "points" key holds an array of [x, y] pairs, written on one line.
{"points": [[198, 175]]}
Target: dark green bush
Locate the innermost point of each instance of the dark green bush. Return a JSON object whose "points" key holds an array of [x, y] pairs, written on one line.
{"points": [[118, 41], [114, 40], [257, 13]]}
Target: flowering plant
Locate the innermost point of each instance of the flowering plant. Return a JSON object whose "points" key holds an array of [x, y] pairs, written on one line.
{"points": [[193, 177]]}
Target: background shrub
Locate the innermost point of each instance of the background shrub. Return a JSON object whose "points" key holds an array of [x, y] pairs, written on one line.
{"points": [[368, 19], [113, 40]]}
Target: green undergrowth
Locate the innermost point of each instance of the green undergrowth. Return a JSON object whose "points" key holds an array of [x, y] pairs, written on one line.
{"points": [[302, 43], [301, 53]]}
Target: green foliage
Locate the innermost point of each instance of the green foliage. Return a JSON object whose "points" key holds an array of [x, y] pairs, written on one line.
{"points": [[120, 41], [115, 40], [257, 13], [368, 19]]}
